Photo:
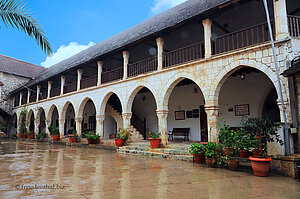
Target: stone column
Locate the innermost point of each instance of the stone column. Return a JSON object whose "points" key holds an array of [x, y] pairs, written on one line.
{"points": [[281, 22], [79, 77], [125, 63], [207, 37], [126, 120], [36, 126], [62, 84], [163, 125], [100, 65], [78, 121], [20, 99], [48, 123], [38, 91], [160, 51], [61, 123], [28, 96], [100, 125], [49, 89], [212, 120]]}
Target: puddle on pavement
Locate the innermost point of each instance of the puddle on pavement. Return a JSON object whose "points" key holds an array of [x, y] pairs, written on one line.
{"points": [[39, 170]]}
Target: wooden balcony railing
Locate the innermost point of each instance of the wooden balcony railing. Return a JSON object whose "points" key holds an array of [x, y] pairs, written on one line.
{"points": [[43, 95], [70, 87], [243, 38], [112, 75], [32, 98], [55, 92], [142, 67], [89, 82], [294, 26], [183, 55]]}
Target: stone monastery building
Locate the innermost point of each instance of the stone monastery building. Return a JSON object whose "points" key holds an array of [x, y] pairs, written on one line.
{"points": [[185, 68]]}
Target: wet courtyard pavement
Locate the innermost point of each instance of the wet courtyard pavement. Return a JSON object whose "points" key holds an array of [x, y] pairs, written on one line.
{"points": [[40, 170]]}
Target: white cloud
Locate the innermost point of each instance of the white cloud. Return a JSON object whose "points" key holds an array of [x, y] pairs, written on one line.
{"points": [[162, 5], [64, 52]]}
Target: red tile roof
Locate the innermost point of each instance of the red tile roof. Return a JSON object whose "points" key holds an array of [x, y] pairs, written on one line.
{"points": [[18, 67]]}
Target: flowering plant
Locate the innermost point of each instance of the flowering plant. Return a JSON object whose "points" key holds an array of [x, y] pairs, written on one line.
{"points": [[197, 148], [227, 136]]}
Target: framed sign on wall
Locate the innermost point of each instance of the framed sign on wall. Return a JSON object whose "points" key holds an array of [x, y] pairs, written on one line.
{"points": [[180, 115], [242, 109]]}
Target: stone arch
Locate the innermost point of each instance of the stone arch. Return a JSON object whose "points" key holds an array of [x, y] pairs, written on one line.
{"points": [[236, 65], [130, 98], [64, 110], [39, 112], [50, 112], [29, 114], [82, 105], [104, 102]]}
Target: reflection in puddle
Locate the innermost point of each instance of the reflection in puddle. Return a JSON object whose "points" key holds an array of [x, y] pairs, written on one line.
{"points": [[91, 173]]}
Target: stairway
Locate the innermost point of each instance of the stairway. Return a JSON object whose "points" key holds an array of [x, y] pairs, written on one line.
{"points": [[174, 151]]}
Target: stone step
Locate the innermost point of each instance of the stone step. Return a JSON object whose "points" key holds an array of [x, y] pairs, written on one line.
{"points": [[137, 148], [140, 144], [171, 151]]}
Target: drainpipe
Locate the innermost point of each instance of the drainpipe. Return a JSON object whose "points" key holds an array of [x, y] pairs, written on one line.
{"points": [[286, 130]]}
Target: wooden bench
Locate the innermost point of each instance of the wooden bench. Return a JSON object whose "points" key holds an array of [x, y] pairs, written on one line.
{"points": [[179, 132]]}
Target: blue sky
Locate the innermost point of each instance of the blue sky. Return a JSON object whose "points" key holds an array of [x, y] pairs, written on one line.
{"points": [[73, 25]]}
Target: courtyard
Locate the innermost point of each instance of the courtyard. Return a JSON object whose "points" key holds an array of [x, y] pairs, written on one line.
{"points": [[40, 170]]}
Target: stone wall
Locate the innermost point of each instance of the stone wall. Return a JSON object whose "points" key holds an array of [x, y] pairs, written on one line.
{"points": [[10, 82], [297, 88]]}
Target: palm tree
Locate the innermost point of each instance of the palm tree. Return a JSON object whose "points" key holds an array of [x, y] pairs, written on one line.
{"points": [[15, 14]]}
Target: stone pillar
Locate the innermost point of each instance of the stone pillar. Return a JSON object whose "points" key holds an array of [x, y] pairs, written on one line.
{"points": [[207, 37], [78, 121], [38, 91], [212, 120], [48, 123], [163, 125], [28, 96], [49, 89], [100, 125], [125, 63], [126, 120], [62, 84], [160, 51], [61, 123], [79, 77], [100, 65], [281, 20], [36, 126], [20, 99]]}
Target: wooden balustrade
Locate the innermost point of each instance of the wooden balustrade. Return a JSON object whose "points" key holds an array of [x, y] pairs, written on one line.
{"points": [[294, 26], [89, 82], [142, 67], [243, 38], [55, 92], [70, 87], [112, 75], [183, 55]]}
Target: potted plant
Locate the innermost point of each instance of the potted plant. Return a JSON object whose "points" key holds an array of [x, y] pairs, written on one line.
{"points": [[154, 139], [30, 135], [121, 136], [23, 130], [198, 151], [54, 132], [265, 131], [210, 153], [41, 136], [74, 138], [93, 138], [244, 143], [221, 162]]}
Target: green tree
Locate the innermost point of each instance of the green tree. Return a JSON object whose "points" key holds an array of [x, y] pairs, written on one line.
{"points": [[15, 14]]}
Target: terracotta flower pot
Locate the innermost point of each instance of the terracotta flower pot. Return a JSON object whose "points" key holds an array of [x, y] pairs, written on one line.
{"points": [[30, 136], [229, 151], [96, 141], [260, 166], [154, 142], [233, 164], [256, 153], [21, 135], [72, 139], [119, 142], [210, 161], [244, 154], [199, 158], [55, 137]]}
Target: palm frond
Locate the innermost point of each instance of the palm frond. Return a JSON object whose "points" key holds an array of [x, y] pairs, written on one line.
{"points": [[15, 14]]}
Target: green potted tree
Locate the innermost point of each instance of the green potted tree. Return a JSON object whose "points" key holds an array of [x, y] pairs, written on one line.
{"points": [[265, 131], [121, 136], [210, 153], [54, 132], [93, 138], [154, 139], [198, 152]]}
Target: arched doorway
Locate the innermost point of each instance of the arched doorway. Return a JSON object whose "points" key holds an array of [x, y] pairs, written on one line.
{"points": [[186, 109], [69, 115], [55, 118], [41, 118], [247, 92], [89, 116]]}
